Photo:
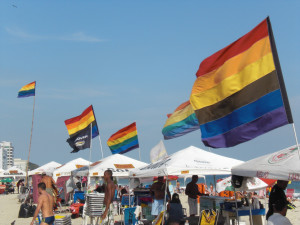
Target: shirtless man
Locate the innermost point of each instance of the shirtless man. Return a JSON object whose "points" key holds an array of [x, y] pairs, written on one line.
{"points": [[50, 184], [45, 203], [158, 189], [110, 188]]}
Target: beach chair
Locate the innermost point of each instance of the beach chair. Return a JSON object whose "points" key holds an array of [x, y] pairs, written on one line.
{"points": [[125, 202], [129, 216], [208, 217]]}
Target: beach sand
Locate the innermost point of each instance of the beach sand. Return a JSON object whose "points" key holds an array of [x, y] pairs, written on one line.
{"points": [[9, 210]]}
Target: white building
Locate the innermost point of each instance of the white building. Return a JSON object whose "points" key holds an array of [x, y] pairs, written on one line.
{"points": [[3, 158], [7, 146], [21, 164]]}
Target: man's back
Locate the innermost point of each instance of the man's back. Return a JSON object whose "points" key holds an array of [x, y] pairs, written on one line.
{"points": [[159, 190], [48, 181], [47, 203]]}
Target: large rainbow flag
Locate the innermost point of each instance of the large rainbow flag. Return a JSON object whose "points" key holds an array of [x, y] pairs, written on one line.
{"points": [[124, 140], [182, 121], [78, 123], [27, 90], [239, 92]]}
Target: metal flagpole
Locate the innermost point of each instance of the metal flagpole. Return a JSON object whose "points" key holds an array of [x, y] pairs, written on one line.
{"points": [[139, 149], [90, 150], [100, 144], [27, 167], [296, 139]]}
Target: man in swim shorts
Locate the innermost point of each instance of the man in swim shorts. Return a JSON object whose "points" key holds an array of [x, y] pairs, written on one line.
{"points": [[109, 189], [45, 203]]}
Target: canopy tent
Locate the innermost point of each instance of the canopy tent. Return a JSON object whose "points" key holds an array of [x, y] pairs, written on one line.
{"points": [[65, 170], [281, 165], [120, 165], [83, 171], [189, 161], [1, 172], [249, 184], [48, 168], [13, 172]]}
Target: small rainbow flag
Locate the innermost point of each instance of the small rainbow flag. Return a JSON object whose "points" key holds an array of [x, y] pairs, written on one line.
{"points": [[78, 123], [124, 140], [27, 90], [181, 122]]}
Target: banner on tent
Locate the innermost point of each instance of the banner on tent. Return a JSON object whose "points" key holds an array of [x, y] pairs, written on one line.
{"points": [[124, 166], [294, 176]]}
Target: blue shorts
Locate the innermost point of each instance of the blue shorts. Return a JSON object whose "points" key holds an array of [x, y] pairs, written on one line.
{"points": [[49, 220], [157, 207]]}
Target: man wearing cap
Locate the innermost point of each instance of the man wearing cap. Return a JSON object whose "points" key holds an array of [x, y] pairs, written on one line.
{"points": [[50, 184], [277, 193]]}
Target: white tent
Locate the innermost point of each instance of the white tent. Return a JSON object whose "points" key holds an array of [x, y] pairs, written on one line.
{"points": [[189, 161], [249, 184], [1, 172], [65, 170], [47, 168], [119, 164], [13, 172], [281, 165]]}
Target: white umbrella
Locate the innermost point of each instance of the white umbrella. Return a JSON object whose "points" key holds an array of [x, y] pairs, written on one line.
{"points": [[281, 165]]}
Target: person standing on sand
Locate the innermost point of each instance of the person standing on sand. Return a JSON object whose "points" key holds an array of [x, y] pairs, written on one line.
{"points": [[109, 195], [277, 193], [50, 185], [192, 192], [45, 203], [158, 190]]}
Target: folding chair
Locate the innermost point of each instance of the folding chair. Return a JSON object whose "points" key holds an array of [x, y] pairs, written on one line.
{"points": [[129, 216], [208, 217], [125, 202]]}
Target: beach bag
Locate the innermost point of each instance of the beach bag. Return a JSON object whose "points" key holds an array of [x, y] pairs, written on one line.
{"points": [[23, 212], [31, 210]]}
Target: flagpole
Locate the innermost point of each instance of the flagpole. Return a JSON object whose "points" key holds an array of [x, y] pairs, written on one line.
{"points": [[139, 147], [294, 128], [100, 144], [27, 167], [90, 157]]}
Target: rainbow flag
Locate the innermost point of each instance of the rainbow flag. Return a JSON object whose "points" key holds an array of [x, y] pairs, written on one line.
{"points": [[27, 90], [182, 121], [239, 92], [124, 140], [78, 123]]}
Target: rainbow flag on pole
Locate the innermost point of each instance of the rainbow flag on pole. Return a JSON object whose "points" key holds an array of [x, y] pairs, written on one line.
{"points": [[27, 90], [124, 140], [239, 92], [182, 121], [79, 123]]}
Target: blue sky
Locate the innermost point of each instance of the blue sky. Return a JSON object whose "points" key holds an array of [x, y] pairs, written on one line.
{"points": [[133, 60]]}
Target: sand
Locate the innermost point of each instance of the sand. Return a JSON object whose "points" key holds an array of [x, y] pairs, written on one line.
{"points": [[9, 209]]}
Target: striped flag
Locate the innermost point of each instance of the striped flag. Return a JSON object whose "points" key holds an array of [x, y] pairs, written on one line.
{"points": [[78, 123], [182, 121], [27, 90], [239, 92], [124, 140]]}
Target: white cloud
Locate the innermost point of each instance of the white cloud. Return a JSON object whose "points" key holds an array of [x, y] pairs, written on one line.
{"points": [[77, 36]]}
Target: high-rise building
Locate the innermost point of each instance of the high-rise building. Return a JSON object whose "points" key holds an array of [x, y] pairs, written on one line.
{"points": [[9, 149], [3, 158]]}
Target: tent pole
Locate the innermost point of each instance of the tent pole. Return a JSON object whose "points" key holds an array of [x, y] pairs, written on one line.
{"points": [[236, 207], [296, 139], [250, 206], [165, 200]]}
